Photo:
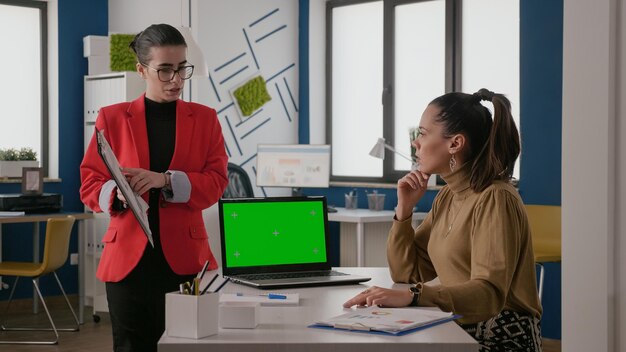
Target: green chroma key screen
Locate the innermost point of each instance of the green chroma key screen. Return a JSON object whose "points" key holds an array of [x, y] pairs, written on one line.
{"points": [[273, 233]]}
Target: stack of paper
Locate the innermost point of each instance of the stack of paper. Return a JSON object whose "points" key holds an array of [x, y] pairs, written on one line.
{"points": [[395, 321]]}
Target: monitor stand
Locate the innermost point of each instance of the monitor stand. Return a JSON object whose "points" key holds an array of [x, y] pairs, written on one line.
{"points": [[296, 192]]}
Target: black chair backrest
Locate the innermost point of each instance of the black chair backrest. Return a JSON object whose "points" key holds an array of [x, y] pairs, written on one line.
{"points": [[239, 185]]}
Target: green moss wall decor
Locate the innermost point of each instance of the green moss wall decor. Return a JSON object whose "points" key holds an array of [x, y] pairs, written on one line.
{"points": [[122, 57], [251, 95]]}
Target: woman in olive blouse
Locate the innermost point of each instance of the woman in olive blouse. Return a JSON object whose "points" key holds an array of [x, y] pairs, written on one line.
{"points": [[476, 238]]}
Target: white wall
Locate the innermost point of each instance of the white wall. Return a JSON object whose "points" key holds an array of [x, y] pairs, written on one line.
{"points": [[131, 17], [594, 313], [620, 187]]}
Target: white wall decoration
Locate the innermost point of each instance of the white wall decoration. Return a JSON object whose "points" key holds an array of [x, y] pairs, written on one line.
{"points": [[240, 38]]}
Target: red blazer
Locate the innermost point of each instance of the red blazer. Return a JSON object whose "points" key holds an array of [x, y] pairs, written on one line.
{"points": [[199, 152]]}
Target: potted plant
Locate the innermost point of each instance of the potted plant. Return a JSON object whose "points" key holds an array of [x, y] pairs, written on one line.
{"points": [[12, 161]]}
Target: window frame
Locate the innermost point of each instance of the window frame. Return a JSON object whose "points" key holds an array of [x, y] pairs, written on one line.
{"points": [[42, 6], [453, 35]]}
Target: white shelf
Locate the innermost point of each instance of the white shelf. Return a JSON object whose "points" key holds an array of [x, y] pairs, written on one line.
{"points": [[102, 90]]}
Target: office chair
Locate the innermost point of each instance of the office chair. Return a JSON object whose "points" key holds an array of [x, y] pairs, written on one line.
{"points": [[55, 252], [545, 226], [239, 185]]}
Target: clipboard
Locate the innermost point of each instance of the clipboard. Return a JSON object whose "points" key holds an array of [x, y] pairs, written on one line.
{"points": [[137, 205]]}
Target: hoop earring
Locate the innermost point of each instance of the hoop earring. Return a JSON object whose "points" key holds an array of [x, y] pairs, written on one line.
{"points": [[452, 163]]}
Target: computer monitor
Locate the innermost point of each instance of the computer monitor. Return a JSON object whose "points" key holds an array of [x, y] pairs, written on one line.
{"points": [[293, 165]]}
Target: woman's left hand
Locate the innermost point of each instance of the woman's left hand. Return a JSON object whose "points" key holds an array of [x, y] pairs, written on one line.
{"points": [[378, 296], [142, 180]]}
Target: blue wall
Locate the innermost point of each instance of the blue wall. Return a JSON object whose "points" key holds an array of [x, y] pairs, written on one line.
{"points": [[541, 57], [541, 66], [76, 19]]}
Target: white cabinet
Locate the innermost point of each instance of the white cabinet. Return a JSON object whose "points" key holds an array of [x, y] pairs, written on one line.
{"points": [[107, 89], [102, 90]]}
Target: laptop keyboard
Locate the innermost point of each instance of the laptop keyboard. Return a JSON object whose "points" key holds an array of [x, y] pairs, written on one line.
{"points": [[275, 276]]}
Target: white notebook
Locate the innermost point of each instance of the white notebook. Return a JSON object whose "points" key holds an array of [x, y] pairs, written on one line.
{"points": [[394, 321]]}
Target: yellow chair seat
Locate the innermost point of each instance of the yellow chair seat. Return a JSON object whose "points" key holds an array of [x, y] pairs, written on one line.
{"points": [[21, 269]]}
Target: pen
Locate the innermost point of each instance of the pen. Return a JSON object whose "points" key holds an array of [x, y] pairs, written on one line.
{"points": [[203, 271], [268, 295], [196, 286], [209, 284], [222, 285]]}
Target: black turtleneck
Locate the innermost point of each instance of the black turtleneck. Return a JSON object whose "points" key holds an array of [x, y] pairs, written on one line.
{"points": [[161, 126]]}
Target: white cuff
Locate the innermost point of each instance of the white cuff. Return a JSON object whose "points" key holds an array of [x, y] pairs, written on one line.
{"points": [[181, 188], [104, 199]]}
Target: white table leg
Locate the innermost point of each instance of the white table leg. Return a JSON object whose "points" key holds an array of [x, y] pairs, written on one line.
{"points": [[82, 231], [360, 248]]}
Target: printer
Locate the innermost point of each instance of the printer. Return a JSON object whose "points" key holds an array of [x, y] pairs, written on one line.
{"points": [[41, 203]]}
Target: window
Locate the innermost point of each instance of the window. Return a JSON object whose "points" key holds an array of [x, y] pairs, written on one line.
{"points": [[24, 116], [387, 59]]}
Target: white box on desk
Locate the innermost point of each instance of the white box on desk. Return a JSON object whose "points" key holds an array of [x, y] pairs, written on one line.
{"points": [[239, 315], [191, 316]]}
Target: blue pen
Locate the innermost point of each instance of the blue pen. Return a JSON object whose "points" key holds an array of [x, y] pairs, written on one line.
{"points": [[269, 295], [275, 296]]}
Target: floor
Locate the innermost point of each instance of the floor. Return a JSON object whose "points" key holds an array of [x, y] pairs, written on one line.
{"points": [[93, 337]]}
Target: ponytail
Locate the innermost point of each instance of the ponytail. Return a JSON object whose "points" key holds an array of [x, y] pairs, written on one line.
{"points": [[497, 158]]}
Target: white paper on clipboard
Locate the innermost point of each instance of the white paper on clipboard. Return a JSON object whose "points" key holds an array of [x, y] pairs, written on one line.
{"points": [[137, 205]]}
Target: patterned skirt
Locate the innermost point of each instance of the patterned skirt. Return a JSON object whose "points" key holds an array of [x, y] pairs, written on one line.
{"points": [[508, 331]]}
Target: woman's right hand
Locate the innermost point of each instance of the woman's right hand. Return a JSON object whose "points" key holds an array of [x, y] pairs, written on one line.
{"points": [[411, 189]]}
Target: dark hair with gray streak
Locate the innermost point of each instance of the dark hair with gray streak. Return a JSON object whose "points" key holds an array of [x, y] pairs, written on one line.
{"points": [[494, 144], [155, 35]]}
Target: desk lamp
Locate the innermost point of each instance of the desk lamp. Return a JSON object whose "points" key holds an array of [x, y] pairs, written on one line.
{"points": [[194, 54], [378, 151]]}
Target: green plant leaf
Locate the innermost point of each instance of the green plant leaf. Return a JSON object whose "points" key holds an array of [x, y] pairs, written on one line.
{"points": [[12, 154]]}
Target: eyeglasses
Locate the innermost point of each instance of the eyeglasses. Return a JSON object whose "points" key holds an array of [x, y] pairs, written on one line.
{"points": [[167, 74]]}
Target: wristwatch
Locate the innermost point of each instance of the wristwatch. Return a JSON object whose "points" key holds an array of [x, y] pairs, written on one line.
{"points": [[417, 292]]}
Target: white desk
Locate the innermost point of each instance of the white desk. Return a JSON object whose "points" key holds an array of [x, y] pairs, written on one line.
{"points": [[285, 328], [361, 217], [35, 219]]}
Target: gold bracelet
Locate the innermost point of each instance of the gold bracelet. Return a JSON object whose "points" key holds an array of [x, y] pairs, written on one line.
{"points": [[166, 184]]}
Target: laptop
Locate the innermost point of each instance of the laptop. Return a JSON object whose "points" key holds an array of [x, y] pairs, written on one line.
{"points": [[278, 242]]}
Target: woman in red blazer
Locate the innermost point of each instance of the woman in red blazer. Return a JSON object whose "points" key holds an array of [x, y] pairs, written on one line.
{"points": [[172, 153]]}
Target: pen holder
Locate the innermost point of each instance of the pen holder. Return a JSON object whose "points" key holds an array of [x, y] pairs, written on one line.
{"points": [[351, 201], [376, 201], [239, 315], [191, 316]]}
